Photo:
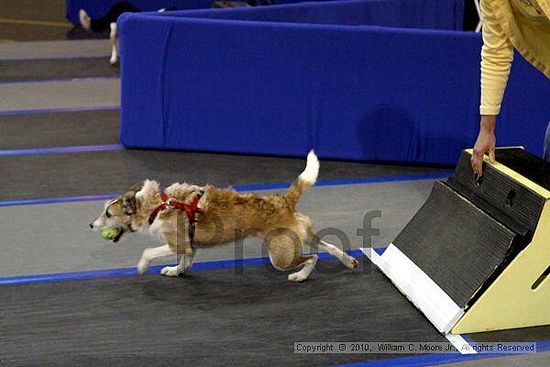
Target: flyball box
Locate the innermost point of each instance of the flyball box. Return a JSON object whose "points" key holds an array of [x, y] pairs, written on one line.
{"points": [[476, 256]]}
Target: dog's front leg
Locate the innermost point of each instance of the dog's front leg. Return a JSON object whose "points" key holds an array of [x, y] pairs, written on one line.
{"points": [[185, 263], [150, 254]]}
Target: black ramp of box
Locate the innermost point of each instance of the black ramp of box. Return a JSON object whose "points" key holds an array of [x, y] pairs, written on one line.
{"points": [[456, 244]]}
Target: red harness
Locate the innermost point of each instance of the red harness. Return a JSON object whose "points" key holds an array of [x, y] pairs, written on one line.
{"points": [[190, 209]]}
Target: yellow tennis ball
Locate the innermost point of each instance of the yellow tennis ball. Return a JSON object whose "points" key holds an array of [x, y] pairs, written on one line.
{"points": [[110, 233]]}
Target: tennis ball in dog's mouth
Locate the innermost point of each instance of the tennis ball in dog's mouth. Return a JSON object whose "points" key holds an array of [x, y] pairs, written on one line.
{"points": [[110, 233]]}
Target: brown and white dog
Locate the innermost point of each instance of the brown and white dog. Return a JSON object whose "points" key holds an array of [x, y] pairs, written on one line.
{"points": [[188, 217]]}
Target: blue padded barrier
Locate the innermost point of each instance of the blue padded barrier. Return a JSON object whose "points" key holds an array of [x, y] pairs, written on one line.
{"points": [[424, 14], [367, 93]]}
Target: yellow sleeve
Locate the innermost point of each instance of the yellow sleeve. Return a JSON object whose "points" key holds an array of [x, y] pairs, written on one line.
{"points": [[497, 54]]}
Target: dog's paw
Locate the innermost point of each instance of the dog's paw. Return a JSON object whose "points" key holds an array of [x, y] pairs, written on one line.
{"points": [[170, 271], [352, 263], [142, 266], [297, 277], [114, 61]]}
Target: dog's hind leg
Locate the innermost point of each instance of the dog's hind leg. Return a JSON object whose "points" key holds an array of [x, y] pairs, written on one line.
{"points": [[309, 262], [150, 254], [344, 258], [285, 253]]}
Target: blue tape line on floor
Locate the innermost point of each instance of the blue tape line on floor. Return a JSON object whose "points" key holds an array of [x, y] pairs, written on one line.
{"points": [[55, 110], [440, 358], [70, 199], [93, 78], [60, 150], [254, 187], [153, 270], [351, 181]]}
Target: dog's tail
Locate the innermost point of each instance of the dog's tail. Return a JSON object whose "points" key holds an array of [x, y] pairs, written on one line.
{"points": [[306, 179]]}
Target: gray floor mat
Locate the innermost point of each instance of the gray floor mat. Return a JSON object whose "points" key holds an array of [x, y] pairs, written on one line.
{"points": [[52, 238], [56, 69], [33, 11], [114, 171], [29, 32], [81, 94], [210, 318], [62, 129], [54, 49]]}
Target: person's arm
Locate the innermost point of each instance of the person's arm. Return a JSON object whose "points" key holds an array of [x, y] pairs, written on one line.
{"points": [[497, 54]]}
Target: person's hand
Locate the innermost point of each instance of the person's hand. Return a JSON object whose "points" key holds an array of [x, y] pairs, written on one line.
{"points": [[485, 144]]}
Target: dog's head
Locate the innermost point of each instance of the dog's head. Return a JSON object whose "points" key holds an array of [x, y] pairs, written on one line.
{"points": [[119, 212]]}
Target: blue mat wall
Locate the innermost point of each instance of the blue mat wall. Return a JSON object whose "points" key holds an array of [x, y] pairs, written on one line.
{"points": [[364, 93], [423, 14]]}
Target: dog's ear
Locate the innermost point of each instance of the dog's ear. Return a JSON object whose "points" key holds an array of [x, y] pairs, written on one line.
{"points": [[137, 187], [148, 191], [129, 203]]}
